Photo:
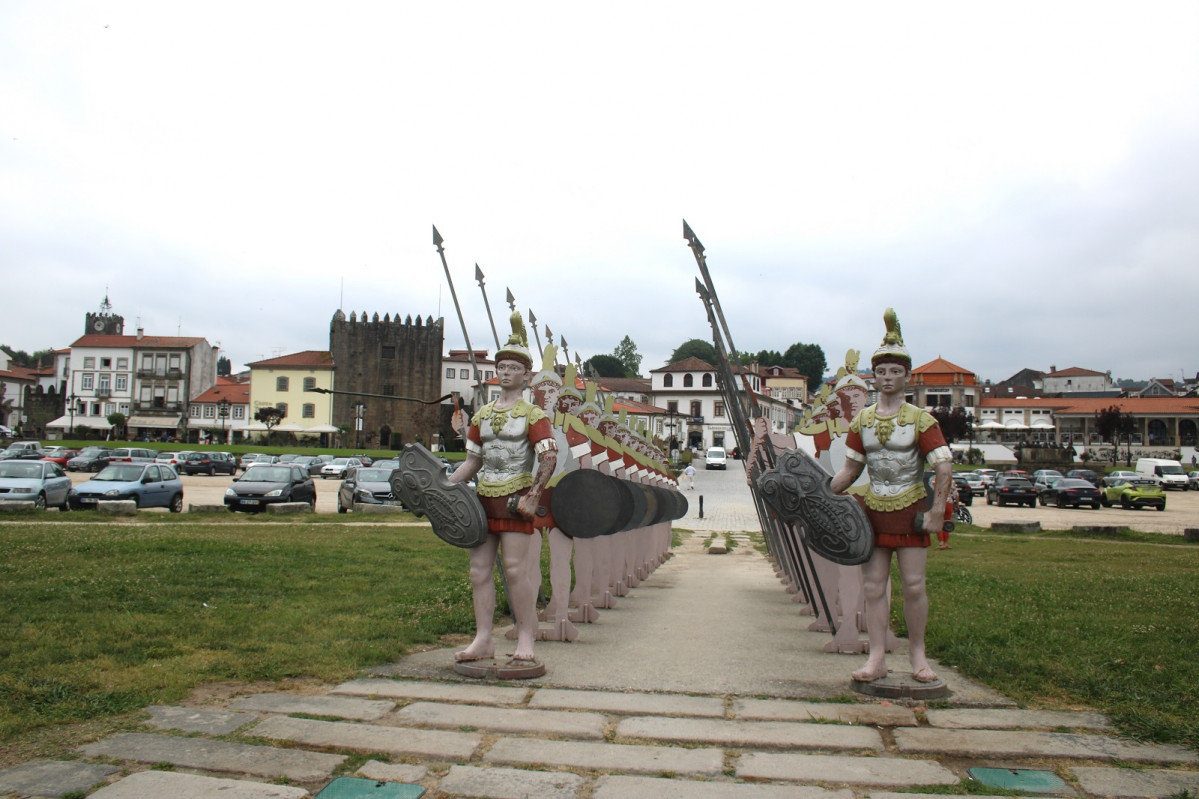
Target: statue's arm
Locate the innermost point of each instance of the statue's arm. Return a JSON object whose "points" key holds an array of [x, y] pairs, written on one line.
{"points": [[848, 474], [469, 468]]}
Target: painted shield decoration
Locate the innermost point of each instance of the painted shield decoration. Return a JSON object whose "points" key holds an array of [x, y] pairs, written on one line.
{"points": [[452, 508], [835, 525]]}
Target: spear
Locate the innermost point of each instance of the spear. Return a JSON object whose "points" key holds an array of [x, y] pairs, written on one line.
{"points": [[470, 351], [487, 305], [565, 350], [533, 324], [511, 301], [549, 337]]}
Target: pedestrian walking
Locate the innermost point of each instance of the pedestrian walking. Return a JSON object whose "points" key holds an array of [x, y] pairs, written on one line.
{"points": [[689, 473]]}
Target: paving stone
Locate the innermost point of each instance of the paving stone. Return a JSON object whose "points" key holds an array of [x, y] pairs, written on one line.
{"points": [[619, 786], [192, 786], [340, 706], [1005, 743], [438, 691], [510, 783], [889, 771], [52, 777], [497, 719], [992, 719], [626, 758], [632, 703], [751, 733], [392, 772], [287, 508], [785, 710], [191, 719], [440, 744], [1136, 783], [200, 753]]}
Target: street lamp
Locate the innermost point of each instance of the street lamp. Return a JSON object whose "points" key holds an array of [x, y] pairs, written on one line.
{"points": [[71, 407], [222, 411]]}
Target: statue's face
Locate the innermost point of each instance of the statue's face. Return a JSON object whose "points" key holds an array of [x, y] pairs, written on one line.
{"points": [[545, 394], [608, 428], [891, 378], [512, 373], [568, 403], [589, 416], [853, 400]]}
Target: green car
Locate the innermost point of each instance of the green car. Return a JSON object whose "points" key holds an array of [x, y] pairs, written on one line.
{"points": [[1133, 492]]}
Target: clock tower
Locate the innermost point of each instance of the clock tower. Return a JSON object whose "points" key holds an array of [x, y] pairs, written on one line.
{"points": [[105, 322]]}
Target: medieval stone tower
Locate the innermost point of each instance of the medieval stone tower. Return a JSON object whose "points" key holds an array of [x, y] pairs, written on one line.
{"points": [[105, 322], [390, 357]]}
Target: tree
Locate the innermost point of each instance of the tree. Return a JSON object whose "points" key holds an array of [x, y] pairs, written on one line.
{"points": [[955, 423], [1111, 422], [269, 416], [808, 359], [694, 348], [768, 358], [117, 420], [626, 353], [606, 366], [224, 367]]}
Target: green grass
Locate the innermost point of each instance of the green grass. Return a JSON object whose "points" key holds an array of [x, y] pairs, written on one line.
{"points": [[99, 619], [1072, 622]]}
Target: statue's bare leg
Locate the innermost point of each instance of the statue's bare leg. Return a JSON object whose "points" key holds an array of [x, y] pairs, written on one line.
{"points": [[517, 548], [912, 562], [874, 587], [482, 580]]}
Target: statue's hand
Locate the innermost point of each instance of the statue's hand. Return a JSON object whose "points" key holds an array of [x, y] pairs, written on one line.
{"points": [[933, 522], [527, 507]]}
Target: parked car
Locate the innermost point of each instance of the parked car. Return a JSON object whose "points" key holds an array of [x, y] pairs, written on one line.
{"points": [[365, 459], [172, 459], [1193, 480], [257, 457], [715, 458], [23, 450], [1115, 477], [390, 463], [268, 483], [208, 463], [965, 493], [368, 485], [337, 467], [1070, 492], [59, 455], [987, 475], [1168, 472], [1045, 481], [1040, 473], [978, 486], [288, 457], [1134, 492], [38, 484], [89, 459], [132, 455], [1013, 489], [150, 485], [1089, 475]]}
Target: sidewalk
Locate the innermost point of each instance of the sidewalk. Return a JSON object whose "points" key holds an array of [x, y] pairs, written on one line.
{"points": [[702, 683]]}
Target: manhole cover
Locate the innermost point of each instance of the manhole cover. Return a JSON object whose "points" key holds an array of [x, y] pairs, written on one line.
{"points": [[1020, 779], [358, 788]]}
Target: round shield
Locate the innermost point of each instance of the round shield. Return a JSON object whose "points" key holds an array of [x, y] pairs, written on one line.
{"points": [[453, 509], [587, 503]]}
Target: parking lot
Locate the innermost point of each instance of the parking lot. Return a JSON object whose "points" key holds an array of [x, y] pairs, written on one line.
{"points": [[204, 490]]}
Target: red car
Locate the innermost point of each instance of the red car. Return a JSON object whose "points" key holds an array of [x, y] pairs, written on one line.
{"points": [[59, 455]]}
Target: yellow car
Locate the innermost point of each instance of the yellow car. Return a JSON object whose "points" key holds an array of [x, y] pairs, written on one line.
{"points": [[1133, 492]]}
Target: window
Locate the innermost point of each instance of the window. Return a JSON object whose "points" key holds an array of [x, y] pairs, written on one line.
{"points": [[195, 412], [309, 383], [487, 375], [718, 411], [389, 353], [106, 363], [124, 408], [95, 409], [109, 409], [708, 382], [147, 363], [688, 381], [239, 411], [389, 389], [282, 406], [696, 408], [667, 381], [281, 384], [175, 362], [88, 382], [122, 363], [89, 362], [105, 384], [464, 374], [122, 383], [309, 411], [209, 411], [673, 406], [450, 372]]}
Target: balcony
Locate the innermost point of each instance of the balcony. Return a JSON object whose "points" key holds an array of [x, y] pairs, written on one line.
{"points": [[157, 405]]}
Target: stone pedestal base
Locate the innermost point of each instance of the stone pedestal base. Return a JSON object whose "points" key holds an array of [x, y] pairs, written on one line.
{"points": [[492, 669], [901, 686]]}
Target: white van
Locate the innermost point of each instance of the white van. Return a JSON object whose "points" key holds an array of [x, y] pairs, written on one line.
{"points": [[1168, 473], [715, 458]]}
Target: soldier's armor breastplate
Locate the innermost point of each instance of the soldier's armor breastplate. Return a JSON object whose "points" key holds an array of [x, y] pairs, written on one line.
{"points": [[507, 453], [896, 465]]}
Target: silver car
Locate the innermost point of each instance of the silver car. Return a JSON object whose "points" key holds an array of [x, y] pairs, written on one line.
{"points": [[38, 484]]}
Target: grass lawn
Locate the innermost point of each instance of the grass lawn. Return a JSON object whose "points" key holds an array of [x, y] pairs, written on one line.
{"points": [[99, 619]]}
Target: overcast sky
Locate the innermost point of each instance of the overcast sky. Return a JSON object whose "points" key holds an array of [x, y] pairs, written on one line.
{"points": [[1019, 180]]}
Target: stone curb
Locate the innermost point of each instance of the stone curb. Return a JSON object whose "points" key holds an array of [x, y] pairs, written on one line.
{"points": [[340, 706], [627, 758]]}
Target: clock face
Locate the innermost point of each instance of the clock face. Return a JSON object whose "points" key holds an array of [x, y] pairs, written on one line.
{"points": [[98, 325]]}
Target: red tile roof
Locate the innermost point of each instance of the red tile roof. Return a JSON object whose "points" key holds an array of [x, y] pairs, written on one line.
{"points": [[103, 340], [237, 393], [1141, 406], [691, 364], [1075, 371], [319, 359]]}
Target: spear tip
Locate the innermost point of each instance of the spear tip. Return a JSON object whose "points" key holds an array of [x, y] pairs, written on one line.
{"points": [[478, 274], [437, 239], [691, 238]]}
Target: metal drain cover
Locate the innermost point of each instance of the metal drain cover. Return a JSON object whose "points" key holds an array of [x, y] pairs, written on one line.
{"points": [[1029, 780], [358, 788]]}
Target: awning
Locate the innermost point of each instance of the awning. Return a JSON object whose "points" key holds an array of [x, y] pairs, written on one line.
{"points": [[1041, 424], [161, 422], [94, 422], [322, 428], [988, 425], [215, 424], [1015, 426], [290, 427]]}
